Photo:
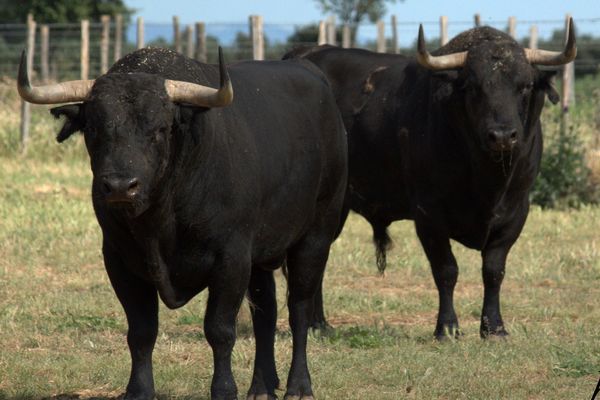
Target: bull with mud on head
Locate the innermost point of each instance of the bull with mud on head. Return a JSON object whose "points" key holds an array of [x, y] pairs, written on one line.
{"points": [[451, 140], [193, 190]]}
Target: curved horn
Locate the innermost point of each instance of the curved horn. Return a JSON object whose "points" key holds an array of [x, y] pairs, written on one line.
{"points": [[202, 96], [436, 63], [65, 92], [545, 57]]}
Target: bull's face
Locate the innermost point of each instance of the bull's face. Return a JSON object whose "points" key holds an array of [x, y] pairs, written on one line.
{"points": [[502, 95], [128, 120], [491, 86], [127, 124]]}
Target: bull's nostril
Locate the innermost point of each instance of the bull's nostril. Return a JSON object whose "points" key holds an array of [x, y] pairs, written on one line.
{"points": [[106, 188], [513, 135], [492, 137], [133, 186]]}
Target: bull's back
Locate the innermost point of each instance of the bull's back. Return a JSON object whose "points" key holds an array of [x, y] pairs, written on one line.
{"points": [[284, 128]]}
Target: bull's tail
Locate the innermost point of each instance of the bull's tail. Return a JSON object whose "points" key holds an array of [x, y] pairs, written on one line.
{"points": [[383, 243]]}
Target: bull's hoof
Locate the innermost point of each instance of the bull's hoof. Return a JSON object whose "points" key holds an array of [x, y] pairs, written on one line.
{"points": [[297, 397], [224, 396], [498, 333], [322, 327], [138, 396], [262, 396], [447, 332], [492, 328]]}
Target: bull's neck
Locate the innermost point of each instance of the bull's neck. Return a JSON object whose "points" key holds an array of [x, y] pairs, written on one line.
{"points": [[490, 174]]}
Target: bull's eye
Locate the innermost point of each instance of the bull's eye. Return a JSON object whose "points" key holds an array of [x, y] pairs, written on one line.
{"points": [[158, 135], [527, 88]]}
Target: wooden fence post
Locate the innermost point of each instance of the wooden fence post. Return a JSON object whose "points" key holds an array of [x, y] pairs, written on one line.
{"points": [[104, 43], [176, 34], [381, 47], [443, 30], [189, 38], [322, 39], [201, 42], [25, 106], [331, 31], [395, 46], [118, 36], [140, 33], [44, 51], [477, 19], [85, 49], [256, 34], [533, 37], [346, 36], [512, 27]]}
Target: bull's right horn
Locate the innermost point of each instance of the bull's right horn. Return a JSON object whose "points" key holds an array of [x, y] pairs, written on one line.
{"points": [[203, 96], [65, 92], [437, 63]]}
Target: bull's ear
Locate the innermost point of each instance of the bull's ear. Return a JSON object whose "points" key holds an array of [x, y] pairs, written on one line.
{"points": [[73, 122], [447, 83], [545, 83]]}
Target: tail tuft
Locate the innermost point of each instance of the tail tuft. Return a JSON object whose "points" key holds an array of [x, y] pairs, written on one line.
{"points": [[382, 244]]}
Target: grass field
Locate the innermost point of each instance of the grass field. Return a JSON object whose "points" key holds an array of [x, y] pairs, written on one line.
{"points": [[62, 329]]}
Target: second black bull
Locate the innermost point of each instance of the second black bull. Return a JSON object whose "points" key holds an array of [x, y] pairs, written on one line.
{"points": [[452, 141]]}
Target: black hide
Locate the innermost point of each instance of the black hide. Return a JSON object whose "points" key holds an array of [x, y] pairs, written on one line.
{"points": [[190, 198], [456, 151]]}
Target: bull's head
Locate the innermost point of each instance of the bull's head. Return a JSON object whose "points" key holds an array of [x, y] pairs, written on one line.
{"points": [[495, 79], [128, 122]]}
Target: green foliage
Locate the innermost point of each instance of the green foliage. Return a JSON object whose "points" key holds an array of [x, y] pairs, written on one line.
{"points": [[61, 10], [308, 34], [354, 12], [564, 179]]}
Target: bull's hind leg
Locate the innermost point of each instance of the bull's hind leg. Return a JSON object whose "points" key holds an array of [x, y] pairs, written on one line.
{"points": [[318, 320], [445, 273], [264, 318], [306, 263], [140, 302]]}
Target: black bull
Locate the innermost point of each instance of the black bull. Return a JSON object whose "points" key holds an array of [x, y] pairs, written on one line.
{"points": [[214, 196], [452, 142]]}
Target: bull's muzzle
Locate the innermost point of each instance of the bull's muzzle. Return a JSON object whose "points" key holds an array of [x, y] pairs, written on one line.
{"points": [[502, 139], [120, 190]]}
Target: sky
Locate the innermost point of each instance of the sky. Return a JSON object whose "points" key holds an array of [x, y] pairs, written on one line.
{"points": [[298, 12]]}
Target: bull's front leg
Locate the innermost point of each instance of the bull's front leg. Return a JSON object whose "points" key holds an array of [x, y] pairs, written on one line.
{"points": [[225, 295], [264, 318], [306, 264], [494, 262], [445, 274], [140, 302]]}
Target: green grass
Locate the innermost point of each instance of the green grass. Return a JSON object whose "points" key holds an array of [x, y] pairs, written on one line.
{"points": [[62, 329]]}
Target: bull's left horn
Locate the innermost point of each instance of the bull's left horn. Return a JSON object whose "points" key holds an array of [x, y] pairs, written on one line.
{"points": [[65, 92], [437, 63], [203, 96], [545, 57]]}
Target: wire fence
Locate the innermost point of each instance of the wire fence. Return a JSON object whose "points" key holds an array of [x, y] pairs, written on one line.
{"points": [[64, 43]]}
